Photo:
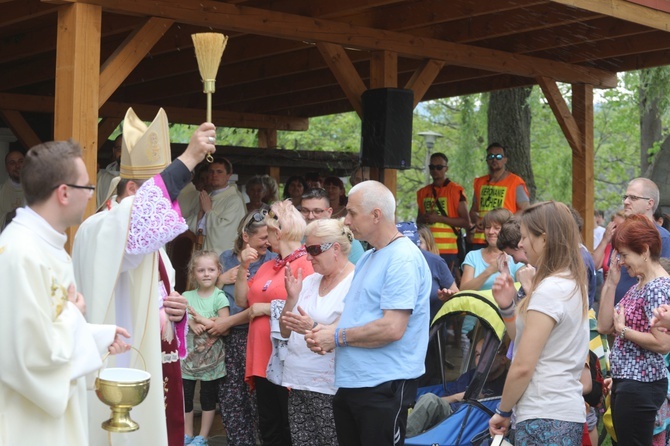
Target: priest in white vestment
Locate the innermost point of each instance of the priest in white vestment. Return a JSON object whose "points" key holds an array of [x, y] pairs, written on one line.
{"points": [[221, 210], [47, 346], [117, 258], [107, 175]]}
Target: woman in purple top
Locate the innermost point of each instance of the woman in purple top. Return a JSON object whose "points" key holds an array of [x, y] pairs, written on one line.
{"points": [[639, 375]]}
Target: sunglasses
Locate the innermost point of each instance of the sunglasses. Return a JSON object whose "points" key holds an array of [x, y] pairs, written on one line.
{"points": [[315, 250], [494, 156], [256, 218], [436, 166]]}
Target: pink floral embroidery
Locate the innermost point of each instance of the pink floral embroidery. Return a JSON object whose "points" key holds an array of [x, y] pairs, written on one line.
{"points": [[154, 219]]}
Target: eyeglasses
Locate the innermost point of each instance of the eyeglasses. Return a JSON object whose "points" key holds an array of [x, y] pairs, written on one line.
{"points": [[494, 156], [436, 166], [315, 250], [634, 198], [90, 188], [305, 211]]}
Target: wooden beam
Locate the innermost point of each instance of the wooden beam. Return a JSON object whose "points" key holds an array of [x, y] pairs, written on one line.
{"points": [[77, 84], [344, 71], [131, 52], [623, 10], [582, 163], [267, 139], [384, 69], [45, 104], [220, 15], [565, 119], [20, 127], [423, 78]]}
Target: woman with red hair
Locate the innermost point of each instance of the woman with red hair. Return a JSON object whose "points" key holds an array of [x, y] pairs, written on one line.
{"points": [[639, 375]]}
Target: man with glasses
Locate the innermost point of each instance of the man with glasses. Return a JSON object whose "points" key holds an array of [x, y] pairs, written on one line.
{"points": [[48, 348], [119, 262], [641, 197], [444, 208], [499, 189], [315, 205]]}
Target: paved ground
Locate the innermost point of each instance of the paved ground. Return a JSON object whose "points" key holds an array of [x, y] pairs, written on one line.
{"points": [[217, 434]]}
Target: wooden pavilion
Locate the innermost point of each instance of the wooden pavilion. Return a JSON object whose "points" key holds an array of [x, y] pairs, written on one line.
{"points": [[71, 68]]}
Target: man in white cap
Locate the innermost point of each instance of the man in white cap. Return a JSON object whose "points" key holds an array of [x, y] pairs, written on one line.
{"points": [[118, 262]]}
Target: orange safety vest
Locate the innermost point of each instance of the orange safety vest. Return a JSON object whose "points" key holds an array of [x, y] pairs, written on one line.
{"points": [[450, 196], [501, 194]]}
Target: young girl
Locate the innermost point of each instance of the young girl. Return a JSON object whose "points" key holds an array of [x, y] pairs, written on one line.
{"points": [[206, 353], [550, 329]]}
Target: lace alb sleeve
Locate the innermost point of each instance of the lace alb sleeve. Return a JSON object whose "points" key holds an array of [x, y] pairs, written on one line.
{"points": [[154, 218]]}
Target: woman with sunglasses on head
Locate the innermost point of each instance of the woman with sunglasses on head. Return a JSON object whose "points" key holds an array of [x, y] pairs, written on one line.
{"points": [[318, 299], [550, 329], [639, 375], [286, 228], [237, 404]]}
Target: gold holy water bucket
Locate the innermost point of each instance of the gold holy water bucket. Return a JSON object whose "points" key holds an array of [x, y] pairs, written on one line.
{"points": [[122, 389]]}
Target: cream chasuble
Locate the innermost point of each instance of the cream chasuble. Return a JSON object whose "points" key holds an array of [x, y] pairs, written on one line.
{"points": [[48, 347], [116, 262]]}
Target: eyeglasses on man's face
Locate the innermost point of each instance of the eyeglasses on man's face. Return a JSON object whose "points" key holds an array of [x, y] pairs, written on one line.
{"points": [[436, 166], [633, 197], [315, 250], [90, 188], [494, 156], [306, 211]]}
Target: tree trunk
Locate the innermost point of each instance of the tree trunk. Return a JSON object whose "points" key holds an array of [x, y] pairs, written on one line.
{"points": [[650, 120], [509, 124]]}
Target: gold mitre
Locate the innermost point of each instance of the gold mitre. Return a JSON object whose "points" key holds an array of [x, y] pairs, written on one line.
{"points": [[145, 151]]}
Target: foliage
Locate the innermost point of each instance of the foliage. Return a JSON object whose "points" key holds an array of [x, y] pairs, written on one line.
{"points": [[462, 122]]}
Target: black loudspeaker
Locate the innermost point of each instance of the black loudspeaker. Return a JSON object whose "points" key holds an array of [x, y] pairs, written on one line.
{"points": [[386, 133]]}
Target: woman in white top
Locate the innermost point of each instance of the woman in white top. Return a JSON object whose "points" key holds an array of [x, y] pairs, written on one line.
{"points": [[319, 299], [550, 331]]}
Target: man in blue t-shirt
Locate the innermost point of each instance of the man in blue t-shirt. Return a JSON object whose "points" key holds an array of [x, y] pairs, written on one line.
{"points": [[642, 197], [381, 338]]}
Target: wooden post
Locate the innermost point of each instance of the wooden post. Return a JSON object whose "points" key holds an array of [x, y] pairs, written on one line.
{"points": [[384, 74], [582, 162], [77, 84]]}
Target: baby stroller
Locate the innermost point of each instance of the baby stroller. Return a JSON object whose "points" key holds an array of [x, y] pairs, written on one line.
{"points": [[468, 424]]}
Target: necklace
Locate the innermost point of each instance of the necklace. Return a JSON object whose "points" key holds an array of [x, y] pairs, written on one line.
{"points": [[323, 288], [395, 237]]}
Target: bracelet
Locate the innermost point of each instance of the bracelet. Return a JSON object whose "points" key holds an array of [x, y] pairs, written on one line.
{"points": [[337, 337], [508, 311], [502, 413], [622, 334], [344, 337]]}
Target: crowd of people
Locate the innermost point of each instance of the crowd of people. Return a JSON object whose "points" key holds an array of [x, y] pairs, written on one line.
{"points": [[307, 317]]}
